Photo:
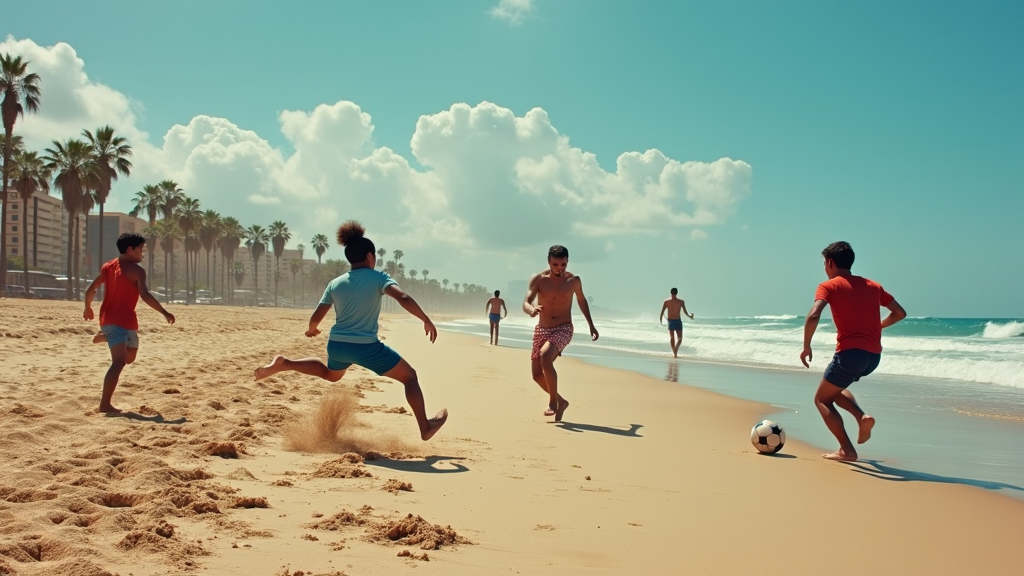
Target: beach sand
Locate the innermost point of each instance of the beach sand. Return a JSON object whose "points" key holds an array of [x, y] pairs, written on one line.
{"points": [[642, 477]]}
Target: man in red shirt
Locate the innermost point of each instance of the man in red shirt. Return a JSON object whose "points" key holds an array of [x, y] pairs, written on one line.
{"points": [[125, 282], [855, 302]]}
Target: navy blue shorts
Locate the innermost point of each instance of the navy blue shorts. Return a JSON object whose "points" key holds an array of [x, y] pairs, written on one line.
{"points": [[495, 318], [675, 325], [375, 356], [850, 365]]}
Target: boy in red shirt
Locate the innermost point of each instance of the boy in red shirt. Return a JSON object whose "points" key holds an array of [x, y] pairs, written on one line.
{"points": [[855, 302], [126, 283]]}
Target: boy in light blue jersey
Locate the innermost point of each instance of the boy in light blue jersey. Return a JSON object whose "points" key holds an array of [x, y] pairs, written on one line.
{"points": [[355, 297]]}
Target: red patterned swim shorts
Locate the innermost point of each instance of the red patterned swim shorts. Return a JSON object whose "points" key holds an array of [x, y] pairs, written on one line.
{"points": [[559, 336]]}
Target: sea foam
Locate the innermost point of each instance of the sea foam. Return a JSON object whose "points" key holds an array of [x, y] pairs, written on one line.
{"points": [[1008, 330]]}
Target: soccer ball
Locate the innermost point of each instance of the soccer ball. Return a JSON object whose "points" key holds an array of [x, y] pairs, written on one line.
{"points": [[768, 437]]}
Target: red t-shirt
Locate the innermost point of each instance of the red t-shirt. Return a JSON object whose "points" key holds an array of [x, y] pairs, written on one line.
{"points": [[120, 295], [855, 302]]}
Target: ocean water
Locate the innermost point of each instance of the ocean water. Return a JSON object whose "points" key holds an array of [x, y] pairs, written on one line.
{"points": [[948, 395]]}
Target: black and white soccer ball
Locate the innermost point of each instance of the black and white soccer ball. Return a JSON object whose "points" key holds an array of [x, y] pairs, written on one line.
{"points": [[768, 437]]}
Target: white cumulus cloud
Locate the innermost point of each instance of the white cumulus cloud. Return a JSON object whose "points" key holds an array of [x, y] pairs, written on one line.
{"points": [[491, 183], [515, 11]]}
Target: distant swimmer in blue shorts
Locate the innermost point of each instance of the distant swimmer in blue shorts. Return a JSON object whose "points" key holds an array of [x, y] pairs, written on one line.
{"points": [[355, 297], [494, 307], [673, 305]]}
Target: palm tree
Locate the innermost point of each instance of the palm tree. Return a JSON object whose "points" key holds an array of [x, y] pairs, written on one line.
{"points": [[231, 238], [295, 267], [398, 256], [412, 274], [445, 282], [168, 233], [425, 274], [170, 197], [279, 235], [75, 176], [21, 93], [238, 273], [29, 174], [302, 272], [148, 200], [256, 239], [189, 219], [382, 253], [320, 245], [111, 153], [209, 233]]}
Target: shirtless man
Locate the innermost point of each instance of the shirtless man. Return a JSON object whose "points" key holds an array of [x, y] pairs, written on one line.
{"points": [[494, 307], [553, 289], [125, 283], [675, 322]]}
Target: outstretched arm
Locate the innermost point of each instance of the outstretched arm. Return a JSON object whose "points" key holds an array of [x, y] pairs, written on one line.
{"points": [[319, 313], [531, 295], [896, 313], [90, 293], [585, 308], [410, 305], [140, 281], [810, 325]]}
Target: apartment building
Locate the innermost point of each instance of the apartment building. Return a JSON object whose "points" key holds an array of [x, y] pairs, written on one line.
{"points": [[47, 226]]}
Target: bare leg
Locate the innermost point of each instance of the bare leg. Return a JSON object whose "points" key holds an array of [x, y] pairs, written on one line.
{"points": [[672, 342], [405, 374], [824, 399], [308, 366], [99, 338], [491, 341], [538, 377], [496, 328], [130, 354], [677, 341], [847, 402], [118, 353]]}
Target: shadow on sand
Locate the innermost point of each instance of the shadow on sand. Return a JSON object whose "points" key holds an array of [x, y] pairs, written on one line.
{"points": [[777, 455], [576, 427], [156, 419], [878, 470], [425, 466]]}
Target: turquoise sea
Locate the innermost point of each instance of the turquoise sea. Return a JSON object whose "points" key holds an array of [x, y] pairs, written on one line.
{"points": [[948, 395]]}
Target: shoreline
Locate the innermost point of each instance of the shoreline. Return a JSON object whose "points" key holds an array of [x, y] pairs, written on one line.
{"points": [[643, 475], [938, 437]]}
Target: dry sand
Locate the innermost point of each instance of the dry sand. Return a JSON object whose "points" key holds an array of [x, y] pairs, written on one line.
{"points": [[642, 477]]}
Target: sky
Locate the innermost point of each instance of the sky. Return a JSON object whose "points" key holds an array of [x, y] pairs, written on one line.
{"points": [[716, 147]]}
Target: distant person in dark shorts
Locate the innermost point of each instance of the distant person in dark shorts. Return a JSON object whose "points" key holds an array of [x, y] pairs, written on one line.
{"points": [[125, 283], [494, 307], [855, 302], [554, 290], [673, 305], [355, 297]]}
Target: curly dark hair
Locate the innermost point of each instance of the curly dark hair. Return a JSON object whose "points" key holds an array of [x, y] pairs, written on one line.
{"points": [[841, 253], [351, 235], [558, 251], [129, 240]]}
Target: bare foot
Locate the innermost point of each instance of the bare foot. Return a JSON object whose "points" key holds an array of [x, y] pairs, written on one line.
{"points": [[99, 338], [270, 369], [551, 409], [561, 410], [434, 424], [866, 424], [841, 456], [108, 409]]}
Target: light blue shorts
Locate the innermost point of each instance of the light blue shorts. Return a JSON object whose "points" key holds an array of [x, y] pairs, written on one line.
{"points": [[375, 356], [117, 335]]}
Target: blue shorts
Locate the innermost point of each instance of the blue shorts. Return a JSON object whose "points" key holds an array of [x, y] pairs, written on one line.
{"points": [[375, 356], [495, 318], [850, 365], [117, 335], [676, 325]]}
